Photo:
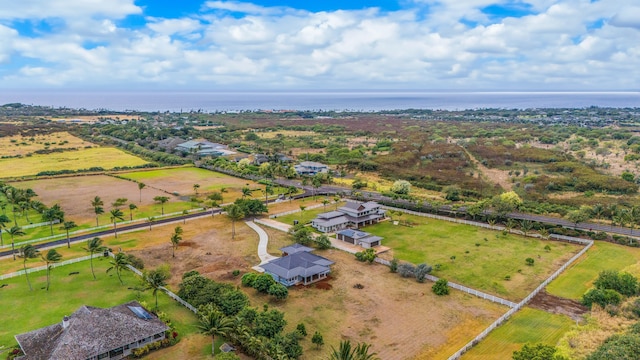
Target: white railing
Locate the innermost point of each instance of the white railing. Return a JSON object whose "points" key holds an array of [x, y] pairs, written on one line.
{"points": [[44, 267], [31, 226], [295, 211]]}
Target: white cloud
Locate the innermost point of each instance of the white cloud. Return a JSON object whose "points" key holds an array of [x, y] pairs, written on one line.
{"points": [[557, 47], [40, 9]]}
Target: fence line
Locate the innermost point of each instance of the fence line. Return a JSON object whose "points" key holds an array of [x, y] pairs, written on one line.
{"points": [[273, 216], [31, 226], [44, 267]]}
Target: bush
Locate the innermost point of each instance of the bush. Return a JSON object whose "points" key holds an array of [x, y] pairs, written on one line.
{"points": [[135, 261], [368, 255], [406, 270], [249, 279], [601, 297], [529, 261], [537, 352], [279, 291], [441, 287], [301, 329], [623, 283], [263, 282], [189, 274], [421, 271], [393, 265], [323, 242]]}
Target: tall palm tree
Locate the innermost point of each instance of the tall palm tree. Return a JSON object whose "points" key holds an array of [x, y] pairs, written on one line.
{"points": [[195, 188], [98, 210], [13, 232], [346, 352], [4, 219], [66, 226], [150, 221], [116, 214], [268, 190], [52, 215], [175, 239], [24, 206], [52, 256], [119, 263], [234, 213], [131, 208], [246, 192], [140, 187], [28, 252], [161, 200], [94, 246], [213, 322], [325, 202], [155, 280]]}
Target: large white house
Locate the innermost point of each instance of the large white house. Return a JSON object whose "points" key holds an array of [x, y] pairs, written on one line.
{"points": [[203, 147], [310, 168], [352, 215]]}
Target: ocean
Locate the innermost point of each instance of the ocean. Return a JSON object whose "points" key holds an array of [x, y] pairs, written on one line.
{"points": [[317, 100]]}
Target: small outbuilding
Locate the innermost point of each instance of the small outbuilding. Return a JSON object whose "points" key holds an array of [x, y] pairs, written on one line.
{"points": [[355, 237]]}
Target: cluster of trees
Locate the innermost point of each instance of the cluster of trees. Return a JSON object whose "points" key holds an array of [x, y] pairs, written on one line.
{"points": [[610, 287], [303, 235], [224, 311], [265, 284]]}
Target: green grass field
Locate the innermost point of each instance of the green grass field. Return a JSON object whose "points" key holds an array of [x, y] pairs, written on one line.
{"points": [[306, 216], [576, 280], [482, 257], [106, 158], [26, 310], [526, 326]]}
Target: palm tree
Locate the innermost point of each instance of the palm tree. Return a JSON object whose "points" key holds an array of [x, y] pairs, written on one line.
{"points": [[302, 209], [222, 191], [195, 188], [4, 219], [119, 263], [97, 205], [140, 187], [94, 246], [347, 352], [235, 213], [246, 192], [150, 220], [99, 210], [161, 200], [66, 226], [24, 207], [52, 214], [325, 202], [213, 322], [268, 190], [336, 199], [131, 208], [155, 279], [175, 239], [14, 231], [28, 252], [116, 214], [51, 257]]}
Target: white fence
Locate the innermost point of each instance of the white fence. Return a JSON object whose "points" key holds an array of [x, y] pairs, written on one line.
{"points": [[31, 226], [44, 267], [295, 211]]}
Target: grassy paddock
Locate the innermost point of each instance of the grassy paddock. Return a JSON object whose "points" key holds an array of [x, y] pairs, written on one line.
{"points": [[107, 158], [526, 326], [576, 280], [482, 257], [30, 310]]}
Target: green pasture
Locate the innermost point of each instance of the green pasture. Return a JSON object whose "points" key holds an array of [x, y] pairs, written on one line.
{"points": [[483, 258], [526, 326], [306, 216], [29, 310], [577, 279]]}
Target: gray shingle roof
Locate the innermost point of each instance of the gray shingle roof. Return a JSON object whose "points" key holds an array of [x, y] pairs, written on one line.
{"points": [[90, 331], [298, 264], [292, 249]]}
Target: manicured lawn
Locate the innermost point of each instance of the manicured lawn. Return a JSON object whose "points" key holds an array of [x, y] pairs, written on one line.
{"points": [[526, 326], [576, 280], [26, 310], [306, 216], [482, 257], [107, 158]]}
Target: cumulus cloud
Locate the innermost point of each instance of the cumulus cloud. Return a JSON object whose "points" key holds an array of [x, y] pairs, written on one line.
{"points": [[429, 44]]}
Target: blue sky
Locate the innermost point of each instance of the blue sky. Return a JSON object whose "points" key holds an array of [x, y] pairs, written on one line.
{"points": [[407, 44]]}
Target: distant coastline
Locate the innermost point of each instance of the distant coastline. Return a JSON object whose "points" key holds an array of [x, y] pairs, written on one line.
{"points": [[365, 101]]}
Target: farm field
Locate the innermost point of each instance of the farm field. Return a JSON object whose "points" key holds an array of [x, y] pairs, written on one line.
{"points": [[181, 181], [482, 257], [23, 145], [526, 326], [106, 158], [34, 309], [577, 279]]}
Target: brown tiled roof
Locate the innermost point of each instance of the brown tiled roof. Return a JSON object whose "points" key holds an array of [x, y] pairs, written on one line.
{"points": [[90, 331]]}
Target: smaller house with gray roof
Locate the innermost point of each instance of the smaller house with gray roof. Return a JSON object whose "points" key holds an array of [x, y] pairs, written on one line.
{"points": [[298, 266], [93, 333], [357, 237]]}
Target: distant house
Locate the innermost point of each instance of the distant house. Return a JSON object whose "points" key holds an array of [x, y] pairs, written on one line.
{"points": [[310, 168], [352, 215], [204, 148], [361, 238], [298, 266], [93, 333], [259, 159]]}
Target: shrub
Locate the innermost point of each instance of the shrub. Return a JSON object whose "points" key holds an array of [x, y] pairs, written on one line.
{"points": [[529, 261], [406, 270], [441, 287], [601, 297], [190, 273], [263, 282], [623, 283], [323, 242], [301, 329], [393, 265], [421, 271], [279, 291], [135, 261], [236, 272], [249, 279]]}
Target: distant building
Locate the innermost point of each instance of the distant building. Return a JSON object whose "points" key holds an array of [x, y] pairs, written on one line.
{"points": [[298, 266], [93, 333], [352, 215], [361, 238], [310, 168], [204, 148]]}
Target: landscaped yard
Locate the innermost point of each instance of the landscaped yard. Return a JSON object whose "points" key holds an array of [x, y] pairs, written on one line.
{"points": [[104, 157], [483, 258], [25, 310], [526, 326], [305, 217], [577, 279]]}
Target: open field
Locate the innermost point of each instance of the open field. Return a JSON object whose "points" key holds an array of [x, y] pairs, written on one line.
{"points": [[181, 180], [305, 217], [482, 257], [526, 326], [106, 158], [23, 145], [577, 279], [286, 133], [34, 309]]}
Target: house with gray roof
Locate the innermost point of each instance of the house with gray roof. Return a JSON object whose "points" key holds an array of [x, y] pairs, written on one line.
{"points": [[352, 215], [357, 237], [203, 147], [93, 333], [310, 168], [298, 266]]}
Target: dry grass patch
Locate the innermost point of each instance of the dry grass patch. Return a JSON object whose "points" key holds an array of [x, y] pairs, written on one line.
{"points": [[286, 133], [22, 145]]}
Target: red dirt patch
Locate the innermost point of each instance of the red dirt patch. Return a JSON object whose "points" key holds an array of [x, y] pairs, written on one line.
{"points": [[557, 305]]}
